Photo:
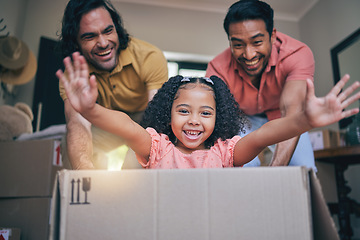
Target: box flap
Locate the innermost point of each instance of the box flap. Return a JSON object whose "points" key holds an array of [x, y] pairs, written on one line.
{"points": [[55, 210], [324, 226]]}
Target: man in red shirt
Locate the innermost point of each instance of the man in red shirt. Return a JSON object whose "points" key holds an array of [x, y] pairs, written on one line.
{"points": [[266, 71]]}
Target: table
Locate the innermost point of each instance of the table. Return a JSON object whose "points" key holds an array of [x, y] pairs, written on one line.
{"points": [[342, 157]]}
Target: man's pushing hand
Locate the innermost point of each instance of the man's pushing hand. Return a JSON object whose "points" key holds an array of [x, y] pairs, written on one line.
{"points": [[80, 89]]}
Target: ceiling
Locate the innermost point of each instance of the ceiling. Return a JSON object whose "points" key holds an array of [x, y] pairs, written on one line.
{"points": [[291, 10]]}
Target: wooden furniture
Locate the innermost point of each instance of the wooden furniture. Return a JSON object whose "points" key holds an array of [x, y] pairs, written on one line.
{"points": [[342, 157]]}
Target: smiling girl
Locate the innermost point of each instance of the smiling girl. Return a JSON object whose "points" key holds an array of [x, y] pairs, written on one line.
{"points": [[193, 122]]}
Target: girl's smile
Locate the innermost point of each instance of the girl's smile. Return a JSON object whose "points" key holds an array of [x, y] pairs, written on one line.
{"points": [[193, 116]]}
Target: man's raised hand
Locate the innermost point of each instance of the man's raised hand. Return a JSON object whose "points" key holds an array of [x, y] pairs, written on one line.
{"points": [[326, 110], [80, 89]]}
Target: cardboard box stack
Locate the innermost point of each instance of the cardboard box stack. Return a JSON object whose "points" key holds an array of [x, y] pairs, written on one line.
{"points": [[279, 203], [322, 139], [27, 174]]}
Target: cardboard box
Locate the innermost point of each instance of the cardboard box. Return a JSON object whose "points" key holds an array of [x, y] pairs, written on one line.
{"points": [[279, 203], [27, 175], [327, 178], [29, 167], [322, 139], [31, 215], [10, 233]]}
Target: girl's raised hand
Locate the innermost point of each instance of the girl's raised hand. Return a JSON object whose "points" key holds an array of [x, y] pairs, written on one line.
{"points": [[80, 89], [330, 109]]}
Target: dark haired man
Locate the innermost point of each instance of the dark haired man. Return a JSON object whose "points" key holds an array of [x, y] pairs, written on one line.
{"points": [[128, 72], [266, 71]]}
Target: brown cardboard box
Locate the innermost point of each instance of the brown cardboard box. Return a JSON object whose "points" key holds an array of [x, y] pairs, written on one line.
{"points": [[28, 168], [279, 203], [322, 139], [31, 215], [10, 233], [27, 175]]}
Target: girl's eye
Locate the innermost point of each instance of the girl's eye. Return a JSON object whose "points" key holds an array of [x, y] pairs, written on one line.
{"points": [[206, 113], [183, 111]]}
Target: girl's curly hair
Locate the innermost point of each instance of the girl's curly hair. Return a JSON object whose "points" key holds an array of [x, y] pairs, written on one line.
{"points": [[73, 13], [229, 118]]}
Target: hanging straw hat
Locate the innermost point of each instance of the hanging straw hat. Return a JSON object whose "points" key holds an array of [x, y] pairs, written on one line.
{"points": [[18, 63]]}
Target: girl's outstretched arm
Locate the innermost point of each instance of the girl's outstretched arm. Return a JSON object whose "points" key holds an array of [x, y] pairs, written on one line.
{"points": [[319, 112], [82, 93]]}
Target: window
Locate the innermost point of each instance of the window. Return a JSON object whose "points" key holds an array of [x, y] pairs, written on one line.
{"points": [[190, 65], [188, 69]]}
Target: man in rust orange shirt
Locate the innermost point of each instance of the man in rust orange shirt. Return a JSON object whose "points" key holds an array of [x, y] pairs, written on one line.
{"points": [[266, 71]]}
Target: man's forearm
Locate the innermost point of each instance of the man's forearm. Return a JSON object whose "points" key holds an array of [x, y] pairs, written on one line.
{"points": [[284, 151], [78, 139], [79, 147]]}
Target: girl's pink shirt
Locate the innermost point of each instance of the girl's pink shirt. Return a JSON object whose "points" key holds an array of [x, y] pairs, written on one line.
{"points": [[164, 154]]}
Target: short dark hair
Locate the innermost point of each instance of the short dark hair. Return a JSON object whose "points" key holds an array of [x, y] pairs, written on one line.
{"points": [[74, 10], [229, 118], [250, 10]]}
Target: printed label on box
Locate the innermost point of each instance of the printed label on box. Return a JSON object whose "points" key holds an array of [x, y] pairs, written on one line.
{"points": [[317, 140], [4, 234], [57, 159]]}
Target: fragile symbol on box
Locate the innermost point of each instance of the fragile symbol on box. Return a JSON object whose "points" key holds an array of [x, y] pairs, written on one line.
{"points": [[75, 190]]}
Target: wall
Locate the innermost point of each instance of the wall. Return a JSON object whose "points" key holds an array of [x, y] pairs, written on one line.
{"points": [[322, 28], [13, 13], [178, 30], [36, 23]]}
